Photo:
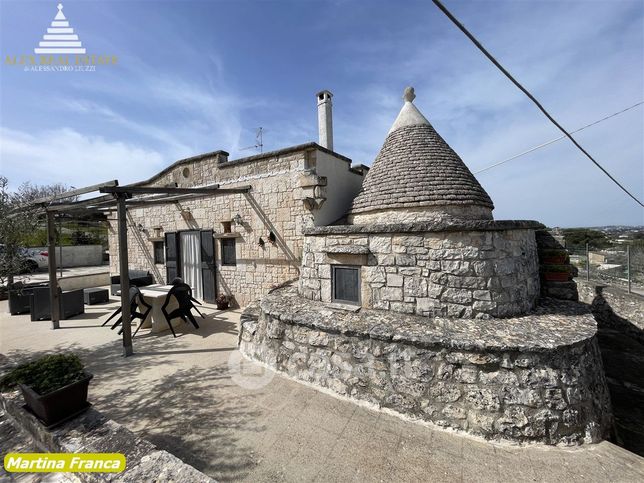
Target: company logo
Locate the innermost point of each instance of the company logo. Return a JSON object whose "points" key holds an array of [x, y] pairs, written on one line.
{"points": [[60, 37], [60, 50]]}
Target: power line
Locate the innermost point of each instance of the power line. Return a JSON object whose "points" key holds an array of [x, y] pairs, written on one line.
{"points": [[547, 143], [530, 96]]}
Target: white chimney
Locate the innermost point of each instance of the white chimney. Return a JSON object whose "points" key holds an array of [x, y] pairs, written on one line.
{"points": [[325, 119]]}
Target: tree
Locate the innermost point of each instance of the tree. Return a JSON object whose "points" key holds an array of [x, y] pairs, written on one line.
{"points": [[576, 238], [15, 228]]}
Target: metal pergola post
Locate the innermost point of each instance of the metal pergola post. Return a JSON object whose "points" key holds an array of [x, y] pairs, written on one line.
{"points": [[54, 296], [124, 275]]}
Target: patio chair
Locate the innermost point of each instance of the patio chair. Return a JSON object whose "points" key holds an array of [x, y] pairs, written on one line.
{"points": [[136, 298], [183, 294]]}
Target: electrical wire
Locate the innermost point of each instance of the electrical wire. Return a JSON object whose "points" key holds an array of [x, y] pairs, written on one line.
{"points": [[547, 143], [462, 28]]}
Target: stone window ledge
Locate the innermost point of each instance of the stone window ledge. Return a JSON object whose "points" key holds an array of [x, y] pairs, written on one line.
{"points": [[346, 250]]}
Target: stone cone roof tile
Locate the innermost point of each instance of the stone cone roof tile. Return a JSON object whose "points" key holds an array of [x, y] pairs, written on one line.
{"points": [[416, 167]]}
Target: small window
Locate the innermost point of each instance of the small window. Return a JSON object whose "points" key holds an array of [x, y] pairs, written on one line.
{"points": [[159, 252], [226, 226], [228, 252], [346, 284], [186, 172]]}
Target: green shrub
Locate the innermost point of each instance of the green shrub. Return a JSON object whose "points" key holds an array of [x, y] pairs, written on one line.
{"points": [[46, 374]]}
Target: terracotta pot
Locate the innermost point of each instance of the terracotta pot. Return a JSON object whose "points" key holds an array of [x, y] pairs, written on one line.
{"points": [[556, 276], [554, 260], [59, 405]]}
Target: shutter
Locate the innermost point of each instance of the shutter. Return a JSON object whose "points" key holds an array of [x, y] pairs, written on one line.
{"points": [[208, 266], [172, 261], [347, 284]]}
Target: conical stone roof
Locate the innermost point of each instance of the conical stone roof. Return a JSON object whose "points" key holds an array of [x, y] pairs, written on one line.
{"points": [[417, 176]]}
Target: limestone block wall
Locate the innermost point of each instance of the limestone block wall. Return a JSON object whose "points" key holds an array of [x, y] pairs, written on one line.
{"points": [[274, 204], [532, 378], [466, 274]]}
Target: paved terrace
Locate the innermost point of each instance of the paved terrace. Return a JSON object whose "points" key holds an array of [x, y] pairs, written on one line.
{"points": [[179, 394]]}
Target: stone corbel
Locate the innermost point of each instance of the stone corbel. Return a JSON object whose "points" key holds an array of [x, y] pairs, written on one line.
{"points": [[313, 190]]}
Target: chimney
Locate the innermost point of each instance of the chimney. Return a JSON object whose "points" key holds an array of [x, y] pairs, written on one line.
{"points": [[325, 119]]}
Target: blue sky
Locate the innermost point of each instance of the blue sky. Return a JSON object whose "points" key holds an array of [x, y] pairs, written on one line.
{"points": [[194, 77]]}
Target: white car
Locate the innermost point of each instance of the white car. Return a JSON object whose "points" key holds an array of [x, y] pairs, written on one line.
{"points": [[34, 258]]}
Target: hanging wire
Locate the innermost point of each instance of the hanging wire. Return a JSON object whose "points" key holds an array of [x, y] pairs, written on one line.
{"points": [[530, 96], [547, 143]]}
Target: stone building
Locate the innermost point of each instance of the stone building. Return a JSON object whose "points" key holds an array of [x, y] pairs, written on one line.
{"points": [[420, 302], [242, 244]]}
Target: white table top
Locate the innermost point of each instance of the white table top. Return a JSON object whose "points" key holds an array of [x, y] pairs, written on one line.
{"points": [[155, 291]]}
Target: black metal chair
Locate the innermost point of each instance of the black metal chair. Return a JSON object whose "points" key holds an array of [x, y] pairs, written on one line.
{"points": [[136, 299], [183, 294]]}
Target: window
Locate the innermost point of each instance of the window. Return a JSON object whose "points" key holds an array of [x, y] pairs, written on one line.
{"points": [[228, 255], [345, 284], [159, 252]]}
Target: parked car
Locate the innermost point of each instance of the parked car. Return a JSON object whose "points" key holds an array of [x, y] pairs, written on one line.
{"points": [[32, 258]]}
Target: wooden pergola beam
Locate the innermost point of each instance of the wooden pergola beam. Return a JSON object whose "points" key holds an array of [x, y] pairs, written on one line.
{"points": [[132, 190], [74, 205], [76, 192]]}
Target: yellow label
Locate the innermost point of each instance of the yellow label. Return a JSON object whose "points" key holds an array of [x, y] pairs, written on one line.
{"points": [[64, 462]]}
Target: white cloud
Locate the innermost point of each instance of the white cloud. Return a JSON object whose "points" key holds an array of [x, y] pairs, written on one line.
{"points": [[67, 156]]}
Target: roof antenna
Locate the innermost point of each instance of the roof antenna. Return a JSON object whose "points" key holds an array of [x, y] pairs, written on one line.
{"points": [[259, 143]]}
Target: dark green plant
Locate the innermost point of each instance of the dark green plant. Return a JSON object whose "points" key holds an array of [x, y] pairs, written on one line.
{"points": [[46, 374]]}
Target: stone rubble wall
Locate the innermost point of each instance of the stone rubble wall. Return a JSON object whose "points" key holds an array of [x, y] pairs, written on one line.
{"points": [[542, 394], [93, 432], [465, 274], [620, 320]]}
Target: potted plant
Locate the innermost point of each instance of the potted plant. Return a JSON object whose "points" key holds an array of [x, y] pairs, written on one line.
{"points": [[54, 387], [222, 301]]}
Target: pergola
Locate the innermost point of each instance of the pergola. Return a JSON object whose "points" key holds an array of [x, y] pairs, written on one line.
{"points": [[113, 198]]}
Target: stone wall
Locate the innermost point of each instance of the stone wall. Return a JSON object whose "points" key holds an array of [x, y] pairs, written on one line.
{"points": [[620, 320], [93, 432], [421, 213], [533, 378], [77, 255], [274, 204], [416, 269]]}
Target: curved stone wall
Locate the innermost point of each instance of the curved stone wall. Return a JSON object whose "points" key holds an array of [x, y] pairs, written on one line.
{"points": [[421, 213], [533, 378], [473, 270]]}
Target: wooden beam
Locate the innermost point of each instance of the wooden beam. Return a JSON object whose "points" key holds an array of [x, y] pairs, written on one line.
{"points": [[186, 197], [75, 192], [124, 277], [99, 200], [153, 190], [54, 296]]}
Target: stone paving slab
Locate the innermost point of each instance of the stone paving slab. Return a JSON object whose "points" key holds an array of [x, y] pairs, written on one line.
{"points": [[181, 395]]}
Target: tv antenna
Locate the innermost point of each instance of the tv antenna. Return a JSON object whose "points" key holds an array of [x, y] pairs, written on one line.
{"points": [[259, 143]]}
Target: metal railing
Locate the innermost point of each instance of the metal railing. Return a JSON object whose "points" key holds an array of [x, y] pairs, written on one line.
{"points": [[621, 266]]}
